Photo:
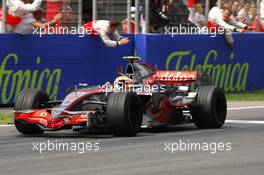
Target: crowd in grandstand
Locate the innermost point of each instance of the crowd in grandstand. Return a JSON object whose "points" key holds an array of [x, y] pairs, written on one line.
{"points": [[22, 15], [193, 13]]}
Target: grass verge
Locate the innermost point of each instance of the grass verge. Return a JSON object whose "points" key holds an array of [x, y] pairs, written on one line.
{"points": [[6, 118], [257, 95]]}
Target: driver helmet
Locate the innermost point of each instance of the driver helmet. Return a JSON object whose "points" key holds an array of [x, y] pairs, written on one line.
{"points": [[122, 82]]}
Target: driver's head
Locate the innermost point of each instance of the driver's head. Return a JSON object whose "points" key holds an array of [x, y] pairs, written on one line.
{"points": [[114, 23], [122, 82]]}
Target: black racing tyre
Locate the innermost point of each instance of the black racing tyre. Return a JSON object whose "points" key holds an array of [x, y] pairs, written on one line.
{"points": [[210, 108], [124, 113], [26, 100]]}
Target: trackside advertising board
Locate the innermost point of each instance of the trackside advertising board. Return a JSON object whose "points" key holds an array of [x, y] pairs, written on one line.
{"points": [[55, 62], [235, 69]]}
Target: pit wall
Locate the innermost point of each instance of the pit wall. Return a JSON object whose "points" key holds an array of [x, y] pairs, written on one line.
{"points": [[55, 62]]}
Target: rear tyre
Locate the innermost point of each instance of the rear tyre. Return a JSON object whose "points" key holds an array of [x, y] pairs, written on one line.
{"points": [[30, 99], [124, 114], [210, 108]]}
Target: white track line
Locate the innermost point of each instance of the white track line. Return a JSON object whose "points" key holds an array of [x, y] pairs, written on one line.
{"points": [[245, 121], [6, 125], [248, 107]]}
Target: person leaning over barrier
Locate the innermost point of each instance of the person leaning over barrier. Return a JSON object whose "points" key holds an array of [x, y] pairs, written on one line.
{"points": [[220, 18], [105, 29]]}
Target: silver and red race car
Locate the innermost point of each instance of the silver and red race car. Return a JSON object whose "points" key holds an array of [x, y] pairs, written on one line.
{"points": [[163, 97]]}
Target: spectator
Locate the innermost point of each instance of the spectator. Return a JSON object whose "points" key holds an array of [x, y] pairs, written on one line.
{"points": [[215, 18], [16, 8], [218, 18], [105, 29], [199, 18], [132, 22], [234, 11], [35, 19], [69, 17], [52, 8], [226, 5], [252, 12], [157, 18], [260, 21], [191, 8], [243, 14], [164, 6], [227, 18], [178, 14]]}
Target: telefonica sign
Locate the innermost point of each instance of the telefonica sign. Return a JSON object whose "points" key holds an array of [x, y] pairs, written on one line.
{"points": [[13, 79], [232, 77]]}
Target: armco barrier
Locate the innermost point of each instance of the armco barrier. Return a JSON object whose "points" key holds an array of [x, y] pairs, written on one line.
{"points": [[237, 69], [56, 62]]}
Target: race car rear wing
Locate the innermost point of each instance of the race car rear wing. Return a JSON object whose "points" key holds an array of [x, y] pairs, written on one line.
{"points": [[173, 77]]}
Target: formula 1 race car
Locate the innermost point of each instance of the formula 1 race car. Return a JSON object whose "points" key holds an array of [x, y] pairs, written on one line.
{"points": [[163, 97]]}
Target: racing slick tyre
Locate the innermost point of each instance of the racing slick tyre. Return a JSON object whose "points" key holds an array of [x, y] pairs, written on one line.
{"points": [[124, 114], [29, 99], [210, 108]]}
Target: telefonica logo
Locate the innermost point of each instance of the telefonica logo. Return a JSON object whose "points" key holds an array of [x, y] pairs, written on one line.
{"points": [[232, 77], [13, 79]]}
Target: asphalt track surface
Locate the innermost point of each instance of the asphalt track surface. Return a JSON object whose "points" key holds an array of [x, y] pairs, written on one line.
{"points": [[144, 154]]}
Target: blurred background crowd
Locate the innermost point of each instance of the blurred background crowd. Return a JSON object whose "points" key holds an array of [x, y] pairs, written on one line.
{"points": [[145, 16]]}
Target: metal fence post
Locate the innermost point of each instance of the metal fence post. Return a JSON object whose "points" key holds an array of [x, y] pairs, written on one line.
{"points": [[136, 16], [207, 8], [4, 16], [129, 15], [147, 16], [94, 10], [80, 13]]}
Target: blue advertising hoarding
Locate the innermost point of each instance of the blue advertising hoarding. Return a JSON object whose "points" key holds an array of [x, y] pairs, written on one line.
{"points": [[55, 62], [236, 69]]}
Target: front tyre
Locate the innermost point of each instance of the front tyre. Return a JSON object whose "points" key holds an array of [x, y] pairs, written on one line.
{"points": [[210, 107], [124, 114], [29, 99]]}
